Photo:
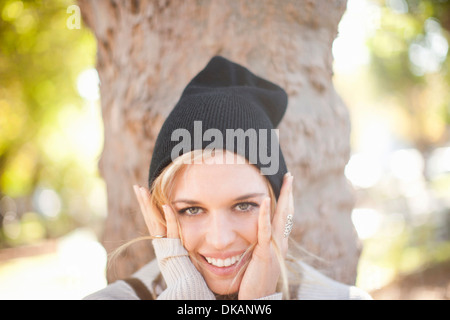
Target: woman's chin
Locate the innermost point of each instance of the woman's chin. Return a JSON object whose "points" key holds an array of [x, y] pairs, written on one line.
{"points": [[223, 288], [221, 280]]}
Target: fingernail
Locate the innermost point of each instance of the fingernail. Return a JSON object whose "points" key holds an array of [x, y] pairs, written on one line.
{"points": [[166, 210], [291, 179]]}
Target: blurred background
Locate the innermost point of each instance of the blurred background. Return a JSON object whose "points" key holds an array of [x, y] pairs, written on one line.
{"points": [[391, 68]]}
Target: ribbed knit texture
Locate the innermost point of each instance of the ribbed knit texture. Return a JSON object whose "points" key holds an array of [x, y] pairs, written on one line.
{"points": [[182, 278], [225, 95]]}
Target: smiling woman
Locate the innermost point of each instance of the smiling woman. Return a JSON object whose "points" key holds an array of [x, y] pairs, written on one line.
{"points": [[220, 224], [218, 229]]}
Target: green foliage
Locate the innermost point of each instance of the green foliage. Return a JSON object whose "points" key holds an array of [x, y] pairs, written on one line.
{"points": [[399, 100], [410, 61], [40, 108]]}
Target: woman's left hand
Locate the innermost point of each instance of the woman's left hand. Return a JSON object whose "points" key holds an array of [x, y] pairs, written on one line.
{"points": [[263, 271], [153, 217]]}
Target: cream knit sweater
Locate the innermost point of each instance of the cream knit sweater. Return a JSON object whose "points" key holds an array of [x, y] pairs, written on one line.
{"points": [[181, 280]]}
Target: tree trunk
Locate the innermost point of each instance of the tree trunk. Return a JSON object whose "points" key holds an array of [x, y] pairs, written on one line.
{"points": [[147, 53]]}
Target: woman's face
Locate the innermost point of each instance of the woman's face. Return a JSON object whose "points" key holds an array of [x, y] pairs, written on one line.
{"points": [[217, 206]]}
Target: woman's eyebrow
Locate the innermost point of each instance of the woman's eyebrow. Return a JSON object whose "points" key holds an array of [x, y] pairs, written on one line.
{"points": [[186, 201], [250, 195], [246, 196]]}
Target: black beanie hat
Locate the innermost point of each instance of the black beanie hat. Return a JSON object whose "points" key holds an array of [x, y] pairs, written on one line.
{"points": [[225, 95]]}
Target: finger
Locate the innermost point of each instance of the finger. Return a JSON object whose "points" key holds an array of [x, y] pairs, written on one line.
{"points": [[171, 221], [157, 223], [291, 200], [264, 225], [150, 213], [138, 194], [283, 206]]}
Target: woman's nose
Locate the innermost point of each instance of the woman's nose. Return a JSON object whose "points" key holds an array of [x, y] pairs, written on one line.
{"points": [[220, 230]]}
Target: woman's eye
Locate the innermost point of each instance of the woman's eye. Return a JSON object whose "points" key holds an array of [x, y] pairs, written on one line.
{"points": [[246, 206], [191, 211]]}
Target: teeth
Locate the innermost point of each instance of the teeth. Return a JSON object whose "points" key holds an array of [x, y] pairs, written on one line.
{"points": [[223, 263]]}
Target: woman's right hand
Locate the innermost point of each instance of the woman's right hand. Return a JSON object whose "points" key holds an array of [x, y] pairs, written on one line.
{"points": [[174, 263], [153, 218]]}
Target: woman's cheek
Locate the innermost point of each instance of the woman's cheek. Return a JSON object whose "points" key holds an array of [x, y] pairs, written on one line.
{"points": [[190, 234], [248, 227]]}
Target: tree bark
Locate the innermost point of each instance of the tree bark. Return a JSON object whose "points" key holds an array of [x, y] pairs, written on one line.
{"points": [[147, 53]]}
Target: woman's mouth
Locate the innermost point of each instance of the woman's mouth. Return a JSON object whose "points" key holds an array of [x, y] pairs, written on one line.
{"points": [[223, 267], [223, 262]]}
